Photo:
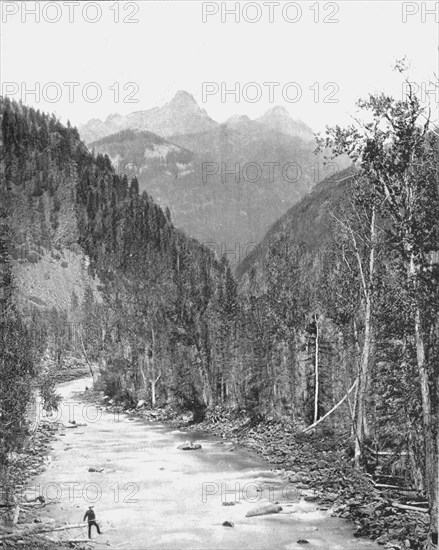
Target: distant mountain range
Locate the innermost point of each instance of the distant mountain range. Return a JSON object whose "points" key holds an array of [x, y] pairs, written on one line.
{"points": [[225, 184], [182, 115]]}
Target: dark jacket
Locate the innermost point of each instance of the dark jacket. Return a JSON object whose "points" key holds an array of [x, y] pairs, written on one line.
{"points": [[90, 515]]}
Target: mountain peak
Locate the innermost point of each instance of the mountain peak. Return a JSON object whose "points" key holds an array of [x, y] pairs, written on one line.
{"points": [[112, 117], [276, 111], [237, 120], [183, 98], [278, 118]]}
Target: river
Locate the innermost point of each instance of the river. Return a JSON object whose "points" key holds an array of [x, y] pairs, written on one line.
{"points": [[151, 495]]}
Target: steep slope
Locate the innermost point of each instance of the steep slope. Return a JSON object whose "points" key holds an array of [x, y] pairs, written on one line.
{"points": [[180, 115], [248, 176], [285, 288], [39, 193], [147, 156], [306, 224]]}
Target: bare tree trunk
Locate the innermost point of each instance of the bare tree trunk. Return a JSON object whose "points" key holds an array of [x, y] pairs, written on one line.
{"points": [[430, 397], [153, 397], [142, 371], [316, 372], [430, 433], [93, 375], [206, 392], [361, 396], [354, 408], [153, 382], [360, 425]]}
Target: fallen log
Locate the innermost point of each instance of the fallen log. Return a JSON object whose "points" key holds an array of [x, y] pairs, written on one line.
{"points": [[386, 453], [37, 504], [395, 487], [386, 486], [410, 508], [262, 511], [81, 541], [387, 476], [335, 407], [40, 529], [65, 527]]}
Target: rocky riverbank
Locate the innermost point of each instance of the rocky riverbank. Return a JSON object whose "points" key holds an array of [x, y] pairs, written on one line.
{"points": [[323, 463], [22, 519], [319, 464]]}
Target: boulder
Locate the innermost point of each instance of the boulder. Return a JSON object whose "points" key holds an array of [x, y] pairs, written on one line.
{"points": [[46, 519], [295, 478], [189, 446], [33, 497], [228, 524]]}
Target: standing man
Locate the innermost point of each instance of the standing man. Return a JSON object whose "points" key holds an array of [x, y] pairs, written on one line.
{"points": [[91, 517]]}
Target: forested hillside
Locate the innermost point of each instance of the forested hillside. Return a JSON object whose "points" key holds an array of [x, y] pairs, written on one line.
{"points": [[146, 300]]}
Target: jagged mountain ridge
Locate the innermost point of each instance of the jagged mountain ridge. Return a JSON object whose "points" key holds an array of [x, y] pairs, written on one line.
{"points": [[182, 115], [179, 116]]}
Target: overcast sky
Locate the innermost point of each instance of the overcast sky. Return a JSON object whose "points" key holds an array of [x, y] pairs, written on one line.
{"points": [[171, 48]]}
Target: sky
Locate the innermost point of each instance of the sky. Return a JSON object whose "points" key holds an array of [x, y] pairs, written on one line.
{"points": [[130, 56]]}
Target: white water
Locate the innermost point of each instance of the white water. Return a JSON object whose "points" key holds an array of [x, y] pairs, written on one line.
{"points": [[151, 494]]}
